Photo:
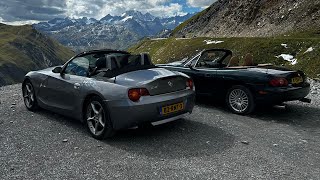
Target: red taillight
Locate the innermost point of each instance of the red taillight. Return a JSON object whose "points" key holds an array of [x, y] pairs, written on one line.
{"points": [[189, 84], [279, 82], [135, 94]]}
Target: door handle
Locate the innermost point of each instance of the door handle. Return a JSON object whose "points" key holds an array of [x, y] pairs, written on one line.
{"points": [[76, 85], [207, 75]]}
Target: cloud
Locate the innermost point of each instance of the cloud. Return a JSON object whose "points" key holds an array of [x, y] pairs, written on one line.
{"points": [[155, 7], [200, 3], [34, 10], [100, 8], [44, 10]]}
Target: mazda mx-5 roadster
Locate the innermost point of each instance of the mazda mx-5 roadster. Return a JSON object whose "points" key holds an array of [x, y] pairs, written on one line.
{"points": [[110, 90], [217, 73]]}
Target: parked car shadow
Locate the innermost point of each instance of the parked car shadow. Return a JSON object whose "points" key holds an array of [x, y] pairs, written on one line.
{"points": [[179, 139], [294, 115], [63, 120], [212, 102]]}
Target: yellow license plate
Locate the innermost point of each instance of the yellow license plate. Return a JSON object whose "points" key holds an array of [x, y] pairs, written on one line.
{"points": [[172, 108], [297, 80]]}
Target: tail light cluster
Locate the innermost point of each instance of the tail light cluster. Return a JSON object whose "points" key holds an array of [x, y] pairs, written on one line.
{"points": [[135, 94], [189, 84], [279, 82]]}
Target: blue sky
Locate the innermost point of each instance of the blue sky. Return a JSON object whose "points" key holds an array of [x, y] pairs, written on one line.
{"points": [[31, 11]]}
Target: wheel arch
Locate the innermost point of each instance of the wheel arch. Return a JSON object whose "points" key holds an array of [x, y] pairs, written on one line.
{"points": [[25, 80], [85, 101], [233, 82]]}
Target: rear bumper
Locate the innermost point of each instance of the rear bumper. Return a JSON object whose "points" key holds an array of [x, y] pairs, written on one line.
{"points": [[125, 113], [278, 95]]}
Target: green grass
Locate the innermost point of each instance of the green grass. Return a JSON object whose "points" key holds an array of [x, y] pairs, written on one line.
{"points": [[263, 49], [25, 35], [19, 43]]}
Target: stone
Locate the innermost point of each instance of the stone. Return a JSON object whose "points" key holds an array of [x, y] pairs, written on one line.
{"points": [[245, 142], [305, 141]]}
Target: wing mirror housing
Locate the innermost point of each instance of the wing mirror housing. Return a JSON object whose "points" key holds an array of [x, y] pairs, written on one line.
{"points": [[57, 70]]}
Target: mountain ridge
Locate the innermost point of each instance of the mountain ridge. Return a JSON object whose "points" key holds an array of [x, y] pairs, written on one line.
{"points": [[22, 49], [252, 18], [116, 32]]}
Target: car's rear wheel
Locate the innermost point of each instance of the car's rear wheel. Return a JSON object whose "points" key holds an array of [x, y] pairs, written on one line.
{"points": [[240, 100], [29, 96], [97, 119]]}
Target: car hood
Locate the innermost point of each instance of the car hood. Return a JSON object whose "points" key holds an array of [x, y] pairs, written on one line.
{"points": [[47, 70], [142, 77]]}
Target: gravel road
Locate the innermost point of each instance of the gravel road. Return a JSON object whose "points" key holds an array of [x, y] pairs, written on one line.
{"points": [[212, 143]]}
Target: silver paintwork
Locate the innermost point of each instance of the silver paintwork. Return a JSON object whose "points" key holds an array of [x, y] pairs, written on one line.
{"points": [[66, 94], [169, 119]]}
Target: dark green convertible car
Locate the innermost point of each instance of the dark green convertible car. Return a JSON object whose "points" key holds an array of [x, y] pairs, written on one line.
{"points": [[217, 73]]}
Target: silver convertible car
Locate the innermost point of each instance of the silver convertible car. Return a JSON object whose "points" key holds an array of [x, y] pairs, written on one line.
{"points": [[110, 90]]}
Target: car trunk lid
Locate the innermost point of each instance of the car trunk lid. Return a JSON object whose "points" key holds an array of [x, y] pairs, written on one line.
{"points": [[156, 80], [294, 78]]}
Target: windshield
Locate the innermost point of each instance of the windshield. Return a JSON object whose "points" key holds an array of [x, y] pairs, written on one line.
{"points": [[190, 61]]}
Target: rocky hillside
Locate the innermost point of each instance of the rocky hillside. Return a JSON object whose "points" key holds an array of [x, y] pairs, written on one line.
{"points": [[253, 18], [115, 32], [22, 49]]}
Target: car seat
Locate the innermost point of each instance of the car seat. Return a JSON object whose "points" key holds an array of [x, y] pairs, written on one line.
{"points": [[234, 61], [101, 63], [111, 62], [248, 60], [145, 59]]}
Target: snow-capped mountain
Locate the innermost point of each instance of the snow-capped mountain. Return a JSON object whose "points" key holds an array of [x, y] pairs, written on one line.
{"points": [[116, 32]]}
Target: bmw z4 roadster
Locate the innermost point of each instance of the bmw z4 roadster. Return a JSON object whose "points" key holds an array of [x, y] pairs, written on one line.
{"points": [[110, 90]]}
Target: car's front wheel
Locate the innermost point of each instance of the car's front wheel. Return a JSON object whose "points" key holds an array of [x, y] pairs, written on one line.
{"points": [[29, 96], [97, 119], [240, 100]]}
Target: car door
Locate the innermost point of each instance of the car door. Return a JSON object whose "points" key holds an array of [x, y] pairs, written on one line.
{"points": [[205, 71], [64, 88]]}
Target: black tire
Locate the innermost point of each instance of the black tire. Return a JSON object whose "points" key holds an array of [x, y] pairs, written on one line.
{"points": [[97, 120], [29, 96], [240, 100]]}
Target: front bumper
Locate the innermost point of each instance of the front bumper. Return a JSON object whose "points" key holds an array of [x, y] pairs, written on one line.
{"points": [[279, 95], [125, 113]]}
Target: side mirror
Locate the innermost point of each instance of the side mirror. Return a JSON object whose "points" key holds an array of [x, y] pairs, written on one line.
{"points": [[57, 70]]}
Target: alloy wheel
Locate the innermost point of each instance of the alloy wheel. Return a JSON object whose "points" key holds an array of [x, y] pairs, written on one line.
{"points": [[28, 95], [238, 100], [95, 118]]}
